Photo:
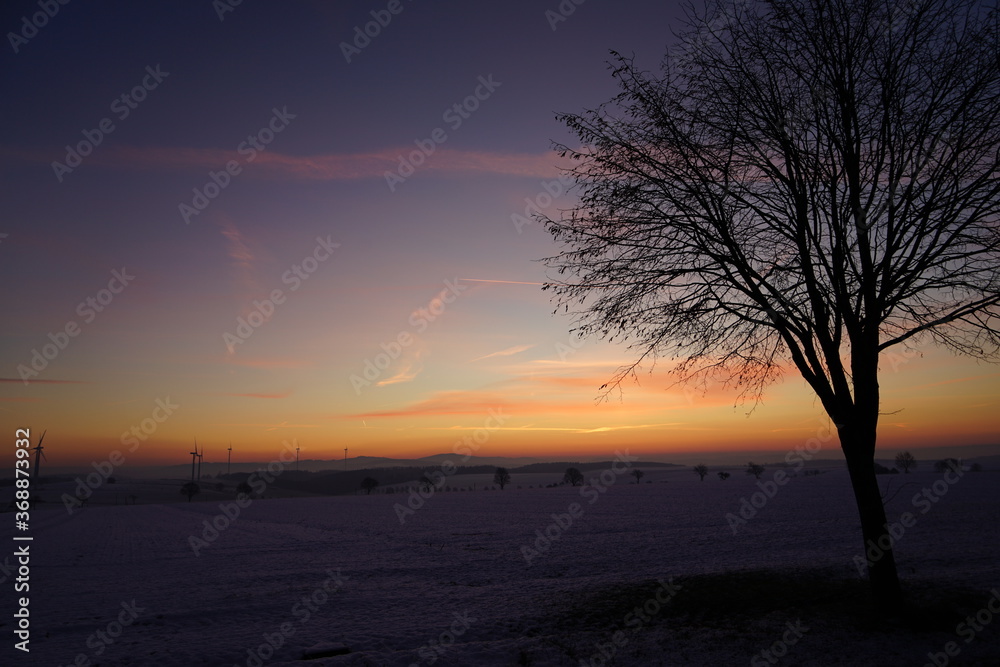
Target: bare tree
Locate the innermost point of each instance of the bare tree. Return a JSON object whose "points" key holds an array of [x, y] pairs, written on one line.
{"points": [[501, 478], [701, 470], [723, 476], [369, 484], [905, 461], [755, 469], [190, 489], [573, 477], [637, 474], [426, 483], [813, 183], [947, 464]]}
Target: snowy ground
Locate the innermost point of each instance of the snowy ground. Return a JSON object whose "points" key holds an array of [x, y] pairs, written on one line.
{"points": [[451, 586]]}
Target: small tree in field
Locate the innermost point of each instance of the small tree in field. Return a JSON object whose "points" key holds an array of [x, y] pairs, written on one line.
{"points": [[755, 469], [190, 490], [501, 477], [369, 484], [426, 483], [905, 461], [701, 470], [637, 474], [573, 477], [947, 464], [723, 475], [244, 489]]}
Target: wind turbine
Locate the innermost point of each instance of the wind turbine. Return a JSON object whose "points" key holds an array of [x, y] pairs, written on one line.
{"points": [[345, 459], [296, 458], [39, 454], [194, 455], [200, 457], [229, 460]]}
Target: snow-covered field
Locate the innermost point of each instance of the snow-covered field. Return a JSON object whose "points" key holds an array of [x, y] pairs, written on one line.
{"points": [[291, 580]]}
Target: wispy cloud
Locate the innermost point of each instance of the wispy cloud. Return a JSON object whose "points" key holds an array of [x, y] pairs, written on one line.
{"points": [[604, 429], [446, 403], [326, 167], [244, 262], [237, 246], [479, 403], [504, 353], [272, 427], [561, 429], [266, 363], [409, 367]]}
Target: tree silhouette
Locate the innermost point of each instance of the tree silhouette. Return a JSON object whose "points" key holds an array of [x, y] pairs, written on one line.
{"points": [[905, 461], [637, 474], [426, 483], [947, 464], [369, 484], [190, 489], [755, 469], [501, 478], [701, 470], [723, 475], [813, 183], [573, 477], [244, 489]]}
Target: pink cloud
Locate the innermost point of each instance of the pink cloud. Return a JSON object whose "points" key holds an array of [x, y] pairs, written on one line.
{"points": [[328, 167]]}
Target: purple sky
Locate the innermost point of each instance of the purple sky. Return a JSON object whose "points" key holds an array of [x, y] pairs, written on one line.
{"points": [[276, 72]]}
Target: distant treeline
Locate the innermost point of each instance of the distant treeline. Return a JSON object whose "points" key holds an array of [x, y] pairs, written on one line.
{"points": [[327, 482]]}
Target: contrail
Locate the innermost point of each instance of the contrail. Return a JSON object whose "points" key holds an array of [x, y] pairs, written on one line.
{"points": [[506, 282]]}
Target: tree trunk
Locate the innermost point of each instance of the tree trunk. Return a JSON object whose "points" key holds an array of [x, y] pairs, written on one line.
{"points": [[859, 450]]}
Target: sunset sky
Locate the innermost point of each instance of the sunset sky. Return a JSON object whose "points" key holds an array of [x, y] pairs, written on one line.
{"points": [[145, 275]]}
